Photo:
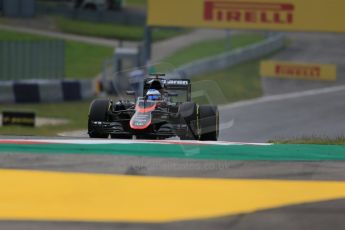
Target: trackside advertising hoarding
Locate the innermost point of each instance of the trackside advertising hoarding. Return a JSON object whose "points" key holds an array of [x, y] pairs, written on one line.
{"points": [[285, 15], [303, 71]]}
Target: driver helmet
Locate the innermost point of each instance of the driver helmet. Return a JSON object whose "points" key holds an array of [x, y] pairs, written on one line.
{"points": [[153, 94]]}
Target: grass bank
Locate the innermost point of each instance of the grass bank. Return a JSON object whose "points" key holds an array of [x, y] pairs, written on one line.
{"points": [[112, 31], [75, 112], [237, 83], [313, 140], [81, 60], [141, 3], [212, 47]]}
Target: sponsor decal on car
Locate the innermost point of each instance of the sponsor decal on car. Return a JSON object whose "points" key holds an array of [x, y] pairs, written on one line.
{"points": [[175, 82]]}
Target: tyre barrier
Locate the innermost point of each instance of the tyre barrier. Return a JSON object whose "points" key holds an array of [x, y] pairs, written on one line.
{"points": [[45, 91]]}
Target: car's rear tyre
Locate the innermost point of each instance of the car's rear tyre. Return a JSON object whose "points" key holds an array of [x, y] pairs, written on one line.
{"points": [[209, 123], [188, 112], [98, 112]]}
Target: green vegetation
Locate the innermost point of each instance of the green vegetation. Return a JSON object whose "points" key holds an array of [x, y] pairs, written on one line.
{"points": [[211, 48], [85, 60], [112, 31], [82, 60], [141, 3], [75, 112], [240, 82], [237, 83], [313, 140], [6, 35]]}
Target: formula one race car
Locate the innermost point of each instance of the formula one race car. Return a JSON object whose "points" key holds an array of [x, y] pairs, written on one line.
{"points": [[165, 110]]}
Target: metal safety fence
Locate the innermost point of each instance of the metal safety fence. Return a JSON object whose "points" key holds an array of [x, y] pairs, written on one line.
{"points": [[32, 60]]}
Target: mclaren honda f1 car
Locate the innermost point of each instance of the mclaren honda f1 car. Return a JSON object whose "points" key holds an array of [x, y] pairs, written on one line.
{"points": [[164, 110]]}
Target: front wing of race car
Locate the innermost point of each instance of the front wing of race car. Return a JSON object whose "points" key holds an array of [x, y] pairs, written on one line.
{"points": [[149, 122], [117, 129]]}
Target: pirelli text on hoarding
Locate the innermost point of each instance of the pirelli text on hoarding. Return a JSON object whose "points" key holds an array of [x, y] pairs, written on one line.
{"points": [[282, 15], [301, 71], [248, 12]]}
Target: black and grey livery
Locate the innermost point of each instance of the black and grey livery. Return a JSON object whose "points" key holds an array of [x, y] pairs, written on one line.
{"points": [[167, 117]]}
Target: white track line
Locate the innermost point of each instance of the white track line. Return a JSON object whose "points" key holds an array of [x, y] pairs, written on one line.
{"points": [[110, 141], [286, 96]]}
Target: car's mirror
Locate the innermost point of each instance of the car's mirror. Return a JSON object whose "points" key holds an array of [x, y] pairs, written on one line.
{"points": [[130, 93]]}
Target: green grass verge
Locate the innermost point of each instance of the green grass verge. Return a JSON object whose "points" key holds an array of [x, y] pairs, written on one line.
{"points": [[312, 140], [75, 112], [111, 31], [211, 48], [81, 61], [240, 82], [142, 3], [237, 83], [85, 60]]}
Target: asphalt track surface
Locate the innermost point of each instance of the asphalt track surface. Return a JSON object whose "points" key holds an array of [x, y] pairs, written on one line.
{"points": [[313, 48], [294, 108], [311, 113], [286, 116], [319, 215]]}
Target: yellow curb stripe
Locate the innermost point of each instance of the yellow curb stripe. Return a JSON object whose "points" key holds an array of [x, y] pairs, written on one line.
{"points": [[30, 195]]}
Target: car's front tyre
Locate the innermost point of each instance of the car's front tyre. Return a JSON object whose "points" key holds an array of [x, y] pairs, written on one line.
{"points": [[98, 112]]}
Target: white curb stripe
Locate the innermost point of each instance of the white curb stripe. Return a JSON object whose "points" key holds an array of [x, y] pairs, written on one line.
{"points": [[109, 141]]}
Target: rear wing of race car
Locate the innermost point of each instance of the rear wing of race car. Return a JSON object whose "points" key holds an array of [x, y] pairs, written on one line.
{"points": [[171, 84]]}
